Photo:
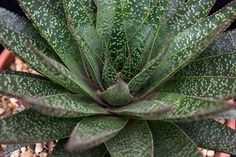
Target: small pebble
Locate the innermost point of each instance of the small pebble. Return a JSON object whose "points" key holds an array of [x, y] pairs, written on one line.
{"points": [[210, 153], [38, 148], [23, 149], [16, 153], [43, 154], [1, 111]]}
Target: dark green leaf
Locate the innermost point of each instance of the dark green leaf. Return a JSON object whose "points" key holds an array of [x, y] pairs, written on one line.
{"points": [[27, 85], [149, 110], [118, 94], [184, 47], [217, 65], [109, 74], [171, 141], [135, 140], [59, 151], [133, 18], [141, 44], [67, 105], [93, 131], [203, 86], [188, 107], [30, 126], [55, 31], [64, 77], [212, 135], [81, 25], [225, 43]]}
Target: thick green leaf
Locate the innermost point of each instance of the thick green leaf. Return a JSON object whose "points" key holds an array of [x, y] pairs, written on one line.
{"points": [[210, 134], [67, 105], [93, 131], [225, 43], [203, 86], [30, 126], [217, 65], [27, 85], [81, 26], [16, 32], [231, 114], [135, 13], [59, 151], [171, 141], [188, 108], [55, 7], [55, 31], [148, 110], [185, 16], [141, 44], [184, 47], [109, 75], [64, 77], [135, 140], [117, 95], [188, 15]]}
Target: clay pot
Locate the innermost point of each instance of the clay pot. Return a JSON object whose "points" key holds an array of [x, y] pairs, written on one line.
{"points": [[6, 59]]}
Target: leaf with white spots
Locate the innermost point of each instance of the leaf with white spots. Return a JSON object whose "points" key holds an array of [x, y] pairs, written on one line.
{"points": [[59, 151], [109, 75], [184, 47], [210, 134], [223, 64], [64, 77], [67, 106], [55, 31], [30, 126], [147, 109], [141, 44], [135, 140], [203, 86], [92, 131], [117, 95], [225, 43], [27, 85], [81, 26], [55, 7], [185, 107], [171, 141]]}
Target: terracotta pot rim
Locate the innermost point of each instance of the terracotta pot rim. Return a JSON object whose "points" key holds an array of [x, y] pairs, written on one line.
{"points": [[6, 59]]}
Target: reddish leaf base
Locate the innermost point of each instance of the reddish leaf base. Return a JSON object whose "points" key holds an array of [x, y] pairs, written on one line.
{"points": [[6, 59]]}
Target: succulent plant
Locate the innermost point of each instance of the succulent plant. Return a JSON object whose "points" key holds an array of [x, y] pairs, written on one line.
{"points": [[121, 78]]}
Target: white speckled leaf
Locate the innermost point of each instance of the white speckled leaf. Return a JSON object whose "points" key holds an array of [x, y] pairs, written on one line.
{"points": [[92, 131], [55, 31], [65, 77], [56, 7], [171, 141], [189, 108], [203, 86], [81, 26], [135, 13], [66, 106], [223, 64], [117, 95], [141, 43], [135, 140], [210, 134], [148, 110], [59, 151], [27, 85], [30, 126], [184, 47], [109, 75], [225, 43]]}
